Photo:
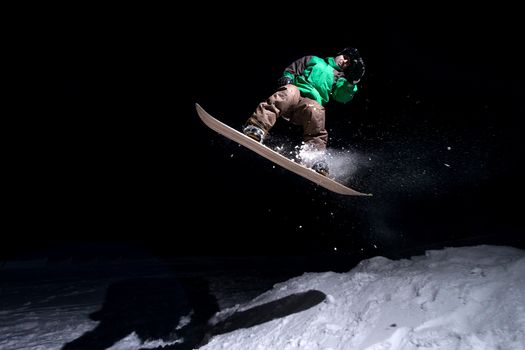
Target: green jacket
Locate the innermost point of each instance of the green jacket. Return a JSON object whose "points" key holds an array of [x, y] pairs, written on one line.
{"points": [[320, 79]]}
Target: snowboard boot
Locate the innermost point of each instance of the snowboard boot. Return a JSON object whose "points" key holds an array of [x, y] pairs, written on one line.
{"points": [[253, 132], [321, 167]]}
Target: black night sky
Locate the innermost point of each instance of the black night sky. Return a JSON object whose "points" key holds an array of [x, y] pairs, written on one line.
{"points": [[122, 158]]}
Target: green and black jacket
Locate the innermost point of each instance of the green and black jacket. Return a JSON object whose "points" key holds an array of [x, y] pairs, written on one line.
{"points": [[320, 79]]}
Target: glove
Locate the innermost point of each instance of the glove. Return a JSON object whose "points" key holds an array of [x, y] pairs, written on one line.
{"points": [[355, 71], [284, 80]]}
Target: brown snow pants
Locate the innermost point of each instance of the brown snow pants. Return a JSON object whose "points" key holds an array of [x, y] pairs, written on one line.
{"points": [[288, 103]]}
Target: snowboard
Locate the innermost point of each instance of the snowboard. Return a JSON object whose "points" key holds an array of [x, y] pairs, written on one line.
{"points": [[259, 148]]}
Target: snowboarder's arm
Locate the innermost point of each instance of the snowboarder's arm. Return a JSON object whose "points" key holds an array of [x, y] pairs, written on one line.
{"points": [[297, 67], [344, 91]]}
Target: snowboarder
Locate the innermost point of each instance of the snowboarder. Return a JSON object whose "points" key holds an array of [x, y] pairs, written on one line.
{"points": [[304, 89]]}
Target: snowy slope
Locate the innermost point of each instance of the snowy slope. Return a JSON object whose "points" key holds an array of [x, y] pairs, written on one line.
{"points": [[456, 298]]}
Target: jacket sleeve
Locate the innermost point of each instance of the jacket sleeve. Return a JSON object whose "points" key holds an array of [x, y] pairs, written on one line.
{"points": [[297, 67], [344, 91]]}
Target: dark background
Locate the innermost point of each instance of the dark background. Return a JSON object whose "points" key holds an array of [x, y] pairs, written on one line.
{"points": [[117, 155]]}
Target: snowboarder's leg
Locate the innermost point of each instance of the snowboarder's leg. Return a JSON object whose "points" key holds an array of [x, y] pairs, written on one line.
{"points": [[311, 115], [267, 112]]}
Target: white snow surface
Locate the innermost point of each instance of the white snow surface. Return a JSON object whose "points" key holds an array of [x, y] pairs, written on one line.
{"points": [[453, 298]]}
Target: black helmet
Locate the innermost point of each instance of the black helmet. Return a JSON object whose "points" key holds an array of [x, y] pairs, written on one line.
{"points": [[356, 69], [350, 52]]}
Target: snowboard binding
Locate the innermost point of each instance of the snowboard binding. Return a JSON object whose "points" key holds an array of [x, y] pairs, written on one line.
{"points": [[253, 132], [321, 167]]}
